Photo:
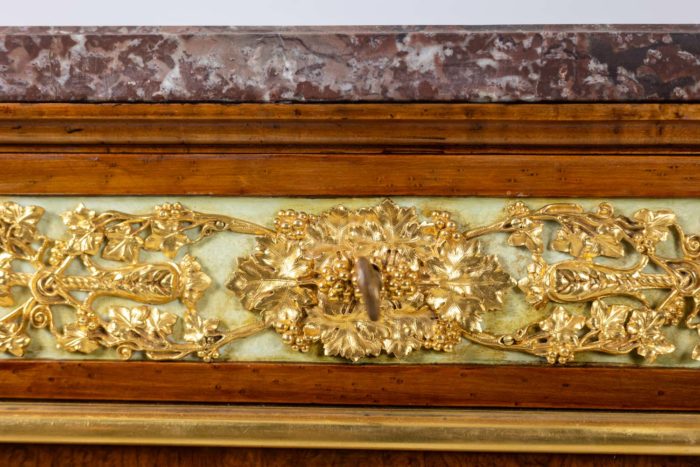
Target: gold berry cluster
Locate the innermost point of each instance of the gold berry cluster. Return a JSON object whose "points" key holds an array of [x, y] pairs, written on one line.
{"points": [[444, 336], [337, 280], [293, 336], [399, 279], [292, 224], [444, 226], [167, 210]]}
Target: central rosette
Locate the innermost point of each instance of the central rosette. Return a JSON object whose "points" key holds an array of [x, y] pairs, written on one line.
{"points": [[433, 281]]}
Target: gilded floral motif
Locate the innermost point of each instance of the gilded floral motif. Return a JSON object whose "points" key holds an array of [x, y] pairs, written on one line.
{"points": [[356, 283], [108, 247], [437, 284]]}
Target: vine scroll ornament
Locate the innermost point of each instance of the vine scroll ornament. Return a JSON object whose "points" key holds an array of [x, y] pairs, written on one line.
{"points": [[356, 282]]}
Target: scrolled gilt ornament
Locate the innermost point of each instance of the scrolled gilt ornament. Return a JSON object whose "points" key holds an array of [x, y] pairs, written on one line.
{"points": [[108, 246], [356, 283], [306, 287], [438, 284]]}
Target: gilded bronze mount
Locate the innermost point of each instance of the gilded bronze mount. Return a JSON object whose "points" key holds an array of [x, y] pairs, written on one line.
{"points": [[357, 282]]}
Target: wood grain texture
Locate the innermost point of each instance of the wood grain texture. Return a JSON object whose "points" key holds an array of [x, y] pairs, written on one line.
{"points": [[352, 124], [23, 455], [350, 175], [351, 149], [331, 384]]}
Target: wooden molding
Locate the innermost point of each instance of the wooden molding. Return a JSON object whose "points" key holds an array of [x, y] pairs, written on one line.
{"points": [[443, 385], [351, 149], [352, 125], [350, 175]]}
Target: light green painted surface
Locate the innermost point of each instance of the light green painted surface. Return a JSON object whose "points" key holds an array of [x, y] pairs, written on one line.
{"points": [[218, 257]]}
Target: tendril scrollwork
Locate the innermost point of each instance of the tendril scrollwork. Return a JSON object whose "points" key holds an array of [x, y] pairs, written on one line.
{"points": [[603, 282]]}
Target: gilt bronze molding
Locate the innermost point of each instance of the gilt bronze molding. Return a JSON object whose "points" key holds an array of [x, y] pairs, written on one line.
{"points": [[446, 429], [354, 282]]}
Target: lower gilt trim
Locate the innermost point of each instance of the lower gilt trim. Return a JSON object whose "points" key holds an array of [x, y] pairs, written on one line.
{"points": [[416, 429]]}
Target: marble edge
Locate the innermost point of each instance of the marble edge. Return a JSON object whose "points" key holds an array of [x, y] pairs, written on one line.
{"points": [[518, 63], [362, 29]]}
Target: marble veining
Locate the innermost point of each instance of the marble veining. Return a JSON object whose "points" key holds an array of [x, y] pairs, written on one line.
{"points": [[340, 64]]}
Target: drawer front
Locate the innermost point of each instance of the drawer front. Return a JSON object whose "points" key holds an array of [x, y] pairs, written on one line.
{"points": [[331, 253]]}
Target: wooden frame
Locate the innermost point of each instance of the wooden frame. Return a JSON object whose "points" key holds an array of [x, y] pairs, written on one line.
{"points": [[351, 149], [570, 150], [440, 385]]}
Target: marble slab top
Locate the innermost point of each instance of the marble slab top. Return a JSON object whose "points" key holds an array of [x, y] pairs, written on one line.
{"points": [[351, 64]]}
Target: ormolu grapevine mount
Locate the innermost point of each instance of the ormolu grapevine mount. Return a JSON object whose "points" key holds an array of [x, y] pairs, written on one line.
{"points": [[355, 282]]}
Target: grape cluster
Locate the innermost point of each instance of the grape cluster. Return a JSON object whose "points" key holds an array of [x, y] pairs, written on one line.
{"points": [[87, 319], [444, 226], [399, 279], [337, 281], [444, 336], [293, 335], [171, 211], [560, 352], [292, 224]]}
